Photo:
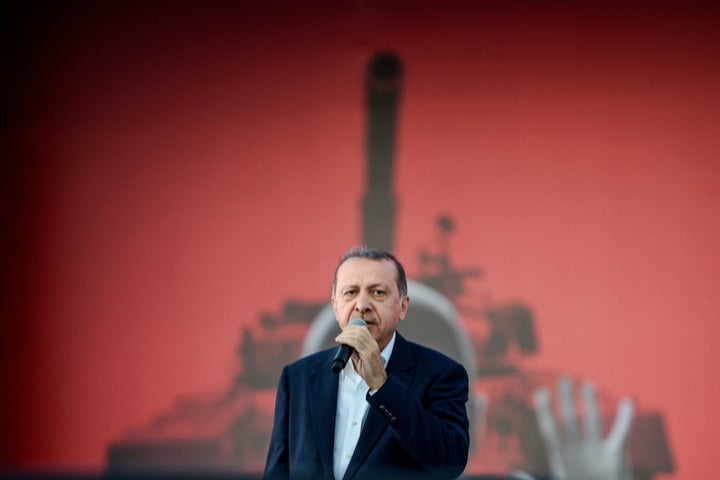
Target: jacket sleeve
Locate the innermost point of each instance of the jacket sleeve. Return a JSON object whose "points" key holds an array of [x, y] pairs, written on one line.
{"points": [[430, 421], [277, 465]]}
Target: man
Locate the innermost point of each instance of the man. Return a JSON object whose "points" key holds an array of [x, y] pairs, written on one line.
{"points": [[397, 409]]}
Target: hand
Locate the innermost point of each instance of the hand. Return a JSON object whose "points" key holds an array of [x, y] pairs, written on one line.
{"points": [[366, 357], [585, 456]]}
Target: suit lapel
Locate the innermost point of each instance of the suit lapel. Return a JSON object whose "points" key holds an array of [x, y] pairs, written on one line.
{"points": [[401, 365], [323, 388]]}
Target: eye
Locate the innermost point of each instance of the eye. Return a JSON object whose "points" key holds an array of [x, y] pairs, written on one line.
{"points": [[349, 293], [380, 293]]}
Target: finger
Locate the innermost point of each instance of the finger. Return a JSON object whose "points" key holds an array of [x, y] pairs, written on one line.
{"points": [[567, 408], [593, 427], [346, 338], [354, 335], [621, 426], [365, 344], [548, 431]]}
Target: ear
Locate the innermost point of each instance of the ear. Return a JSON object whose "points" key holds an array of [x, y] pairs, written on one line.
{"points": [[404, 303], [334, 305], [335, 312]]}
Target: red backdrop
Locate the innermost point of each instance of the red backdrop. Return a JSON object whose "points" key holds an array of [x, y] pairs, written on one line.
{"points": [[176, 170]]}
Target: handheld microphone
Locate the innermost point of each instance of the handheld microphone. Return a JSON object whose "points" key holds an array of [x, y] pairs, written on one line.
{"points": [[344, 351]]}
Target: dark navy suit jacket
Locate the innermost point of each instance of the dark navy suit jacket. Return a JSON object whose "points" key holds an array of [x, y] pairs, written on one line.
{"points": [[416, 425]]}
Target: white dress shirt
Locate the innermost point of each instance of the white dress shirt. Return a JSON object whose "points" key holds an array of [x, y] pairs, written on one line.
{"points": [[351, 411]]}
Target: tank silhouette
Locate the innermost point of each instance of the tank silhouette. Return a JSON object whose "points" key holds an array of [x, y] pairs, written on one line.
{"points": [[229, 431]]}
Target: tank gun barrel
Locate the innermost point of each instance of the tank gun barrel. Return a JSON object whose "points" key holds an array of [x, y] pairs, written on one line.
{"points": [[382, 84]]}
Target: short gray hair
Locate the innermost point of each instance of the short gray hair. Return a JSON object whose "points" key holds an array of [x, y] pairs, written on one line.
{"points": [[362, 251]]}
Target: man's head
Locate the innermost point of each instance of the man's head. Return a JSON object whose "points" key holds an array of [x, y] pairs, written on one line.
{"points": [[372, 284]]}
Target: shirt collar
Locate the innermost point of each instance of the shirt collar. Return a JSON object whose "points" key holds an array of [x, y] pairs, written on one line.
{"points": [[387, 351]]}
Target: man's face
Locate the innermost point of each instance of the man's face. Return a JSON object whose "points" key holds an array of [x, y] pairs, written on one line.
{"points": [[368, 288]]}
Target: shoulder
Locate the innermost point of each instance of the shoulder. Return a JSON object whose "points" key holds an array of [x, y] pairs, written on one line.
{"points": [[427, 354], [312, 362], [428, 359]]}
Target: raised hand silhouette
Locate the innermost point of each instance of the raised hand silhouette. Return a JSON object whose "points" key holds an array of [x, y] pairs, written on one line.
{"points": [[575, 454]]}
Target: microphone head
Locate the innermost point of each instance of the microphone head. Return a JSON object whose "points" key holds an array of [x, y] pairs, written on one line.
{"points": [[357, 321]]}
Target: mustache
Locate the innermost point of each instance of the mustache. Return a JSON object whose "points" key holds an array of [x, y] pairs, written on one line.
{"points": [[367, 317]]}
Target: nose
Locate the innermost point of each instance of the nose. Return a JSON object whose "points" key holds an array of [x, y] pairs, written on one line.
{"points": [[362, 303]]}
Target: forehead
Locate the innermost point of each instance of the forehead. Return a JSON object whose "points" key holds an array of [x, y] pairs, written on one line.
{"points": [[364, 271]]}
